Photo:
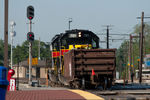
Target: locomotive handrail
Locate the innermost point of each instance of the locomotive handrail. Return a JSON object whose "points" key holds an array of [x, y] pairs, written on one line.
{"points": [[63, 47]]}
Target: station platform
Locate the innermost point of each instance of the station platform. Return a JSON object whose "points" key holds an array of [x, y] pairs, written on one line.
{"points": [[51, 95]]}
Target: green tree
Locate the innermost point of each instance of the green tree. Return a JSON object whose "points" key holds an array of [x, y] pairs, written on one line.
{"points": [[122, 57], [122, 52], [21, 53], [146, 49], [2, 52]]}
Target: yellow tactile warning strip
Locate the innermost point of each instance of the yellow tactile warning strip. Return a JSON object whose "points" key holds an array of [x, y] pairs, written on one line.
{"points": [[87, 95]]}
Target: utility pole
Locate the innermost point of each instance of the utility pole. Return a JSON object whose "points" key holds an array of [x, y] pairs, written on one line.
{"points": [[6, 34], [70, 20], [129, 69], [127, 45], [39, 58], [107, 35], [131, 60], [141, 46], [17, 87]]}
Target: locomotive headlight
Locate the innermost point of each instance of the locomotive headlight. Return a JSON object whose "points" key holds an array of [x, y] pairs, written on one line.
{"points": [[79, 34]]}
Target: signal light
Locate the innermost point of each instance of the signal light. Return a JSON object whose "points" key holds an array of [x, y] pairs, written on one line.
{"points": [[30, 36], [30, 18], [30, 12]]}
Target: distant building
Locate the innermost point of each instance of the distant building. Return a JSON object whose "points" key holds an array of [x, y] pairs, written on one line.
{"points": [[39, 70]]}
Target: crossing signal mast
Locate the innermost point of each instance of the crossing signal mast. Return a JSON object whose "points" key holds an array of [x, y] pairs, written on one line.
{"points": [[30, 38]]}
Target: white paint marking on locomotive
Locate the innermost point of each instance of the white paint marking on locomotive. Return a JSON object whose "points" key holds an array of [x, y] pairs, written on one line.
{"points": [[70, 71]]}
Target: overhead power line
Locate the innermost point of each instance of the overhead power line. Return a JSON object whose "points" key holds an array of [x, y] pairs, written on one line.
{"points": [[116, 34]]}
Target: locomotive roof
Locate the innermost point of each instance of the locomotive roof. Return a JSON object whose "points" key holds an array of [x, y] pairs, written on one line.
{"points": [[61, 35], [77, 31], [55, 37]]}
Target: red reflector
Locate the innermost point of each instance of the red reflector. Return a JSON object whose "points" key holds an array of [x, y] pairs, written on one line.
{"points": [[93, 73]]}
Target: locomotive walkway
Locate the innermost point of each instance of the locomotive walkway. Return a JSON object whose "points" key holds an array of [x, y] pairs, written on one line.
{"points": [[51, 94]]}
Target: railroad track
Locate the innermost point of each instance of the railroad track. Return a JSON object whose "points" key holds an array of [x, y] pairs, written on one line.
{"points": [[121, 92]]}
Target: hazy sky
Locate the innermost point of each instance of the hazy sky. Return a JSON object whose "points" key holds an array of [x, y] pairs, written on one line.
{"points": [[51, 17]]}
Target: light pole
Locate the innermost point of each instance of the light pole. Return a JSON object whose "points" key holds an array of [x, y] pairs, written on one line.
{"points": [[70, 20], [12, 34]]}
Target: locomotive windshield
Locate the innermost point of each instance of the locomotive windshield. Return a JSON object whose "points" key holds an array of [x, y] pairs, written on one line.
{"points": [[80, 38], [79, 41]]}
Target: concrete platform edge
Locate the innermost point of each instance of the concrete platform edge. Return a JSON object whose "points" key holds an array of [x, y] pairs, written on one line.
{"points": [[87, 95]]}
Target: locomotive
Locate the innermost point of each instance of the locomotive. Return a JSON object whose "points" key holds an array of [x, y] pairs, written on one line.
{"points": [[77, 60]]}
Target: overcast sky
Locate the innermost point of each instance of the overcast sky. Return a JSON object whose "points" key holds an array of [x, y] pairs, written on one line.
{"points": [[51, 17]]}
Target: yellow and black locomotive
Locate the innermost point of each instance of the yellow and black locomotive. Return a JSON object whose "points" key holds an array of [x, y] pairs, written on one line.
{"points": [[72, 39], [73, 59]]}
